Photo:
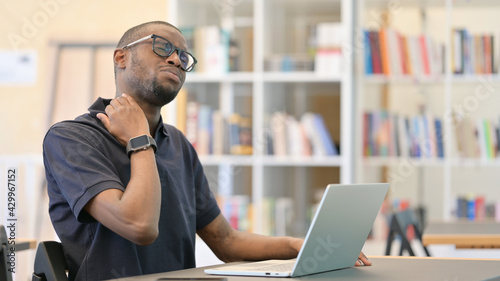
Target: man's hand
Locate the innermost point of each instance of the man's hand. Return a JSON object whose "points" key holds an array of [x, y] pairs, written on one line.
{"points": [[124, 119], [363, 260]]}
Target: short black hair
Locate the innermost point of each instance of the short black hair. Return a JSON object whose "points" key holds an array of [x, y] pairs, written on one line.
{"points": [[138, 31]]}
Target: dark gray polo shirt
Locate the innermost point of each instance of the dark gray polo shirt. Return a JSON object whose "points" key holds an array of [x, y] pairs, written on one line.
{"points": [[82, 159]]}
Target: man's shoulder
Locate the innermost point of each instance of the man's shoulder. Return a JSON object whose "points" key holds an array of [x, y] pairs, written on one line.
{"points": [[84, 126], [80, 122]]}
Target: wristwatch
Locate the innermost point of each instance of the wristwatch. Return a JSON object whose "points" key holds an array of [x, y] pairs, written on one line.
{"points": [[142, 142]]}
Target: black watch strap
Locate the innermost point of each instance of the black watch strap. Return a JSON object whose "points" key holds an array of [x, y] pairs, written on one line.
{"points": [[140, 143]]}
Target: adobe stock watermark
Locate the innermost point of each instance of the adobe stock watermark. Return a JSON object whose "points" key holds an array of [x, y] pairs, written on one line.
{"points": [[225, 7], [325, 247], [470, 104], [32, 25], [11, 221]]}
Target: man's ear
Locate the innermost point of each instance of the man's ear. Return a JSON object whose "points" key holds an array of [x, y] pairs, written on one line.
{"points": [[119, 58]]}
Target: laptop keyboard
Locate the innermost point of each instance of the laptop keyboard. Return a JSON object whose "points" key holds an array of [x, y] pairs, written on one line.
{"points": [[282, 267]]}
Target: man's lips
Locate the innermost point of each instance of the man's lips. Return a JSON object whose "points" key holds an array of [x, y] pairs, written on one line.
{"points": [[171, 72]]}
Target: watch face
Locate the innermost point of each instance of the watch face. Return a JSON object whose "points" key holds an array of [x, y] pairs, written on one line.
{"points": [[139, 142]]}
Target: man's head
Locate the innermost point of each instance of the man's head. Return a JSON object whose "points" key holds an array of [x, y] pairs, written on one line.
{"points": [[150, 76]]}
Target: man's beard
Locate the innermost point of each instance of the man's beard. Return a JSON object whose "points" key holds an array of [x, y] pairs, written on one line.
{"points": [[150, 90], [160, 95]]}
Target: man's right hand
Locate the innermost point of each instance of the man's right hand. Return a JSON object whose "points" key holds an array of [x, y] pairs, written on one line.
{"points": [[124, 119]]}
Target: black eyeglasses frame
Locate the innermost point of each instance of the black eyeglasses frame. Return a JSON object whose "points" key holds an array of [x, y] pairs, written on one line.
{"points": [[174, 48]]}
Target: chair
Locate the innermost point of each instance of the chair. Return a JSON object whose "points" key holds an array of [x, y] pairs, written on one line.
{"points": [[399, 224], [50, 263], [5, 274]]}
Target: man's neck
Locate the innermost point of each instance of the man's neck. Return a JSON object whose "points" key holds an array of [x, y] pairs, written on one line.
{"points": [[153, 114]]}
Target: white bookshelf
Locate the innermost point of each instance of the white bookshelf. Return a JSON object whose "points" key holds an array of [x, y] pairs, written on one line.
{"points": [[434, 182], [277, 28]]}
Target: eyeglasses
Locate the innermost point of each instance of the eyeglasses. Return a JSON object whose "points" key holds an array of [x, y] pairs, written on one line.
{"points": [[164, 48]]}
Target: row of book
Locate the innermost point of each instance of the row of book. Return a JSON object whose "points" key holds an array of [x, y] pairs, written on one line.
{"points": [[278, 214], [472, 53], [217, 50], [388, 52], [393, 135], [210, 45], [323, 55], [474, 207], [305, 137], [479, 138], [213, 133], [387, 134], [289, 63]]}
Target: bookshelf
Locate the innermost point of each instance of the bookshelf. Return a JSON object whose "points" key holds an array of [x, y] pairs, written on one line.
{"points": [[464, 90], [268, 51]]}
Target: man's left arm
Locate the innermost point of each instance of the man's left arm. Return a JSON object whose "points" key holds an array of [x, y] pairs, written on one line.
{"points": [[230, 245]]}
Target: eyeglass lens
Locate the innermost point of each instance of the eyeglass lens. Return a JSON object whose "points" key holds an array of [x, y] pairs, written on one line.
{"points": [[164, 48]]}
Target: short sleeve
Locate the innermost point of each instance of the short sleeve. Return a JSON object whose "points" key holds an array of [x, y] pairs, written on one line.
{"points": [[76, 167], [206, 204]]}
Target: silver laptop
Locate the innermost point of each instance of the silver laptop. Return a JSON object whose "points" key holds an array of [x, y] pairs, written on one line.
{"points": [[335, 238]]}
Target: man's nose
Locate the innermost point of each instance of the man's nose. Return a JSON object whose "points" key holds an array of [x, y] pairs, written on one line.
{"points": [[174, 59]]}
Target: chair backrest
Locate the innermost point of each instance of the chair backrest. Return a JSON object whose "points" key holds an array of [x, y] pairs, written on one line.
{"points": [[405, 219], [5, 273], [50, 263], [399, 224]]}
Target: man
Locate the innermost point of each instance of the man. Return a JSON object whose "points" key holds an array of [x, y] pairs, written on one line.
{"points": [[127, 192]]}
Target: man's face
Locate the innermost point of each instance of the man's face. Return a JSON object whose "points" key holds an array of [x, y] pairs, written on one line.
{"points": [[156, 80]]}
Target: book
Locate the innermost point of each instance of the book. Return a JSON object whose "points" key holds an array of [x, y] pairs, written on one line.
{"points": [[320, 138], [278, 132], [326, 139], [394, 52], [182, 98], [204, 134], [375, 51], [384, 52], [240, 135], [296, 145], [438, 125], [457, 50], [367, 150], [403, 137], [192, 122], [328, 57], [284, 216], [368, 52], [219, 133]]}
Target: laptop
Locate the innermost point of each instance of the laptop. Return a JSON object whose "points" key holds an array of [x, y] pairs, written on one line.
{"points": [[335, 238]]}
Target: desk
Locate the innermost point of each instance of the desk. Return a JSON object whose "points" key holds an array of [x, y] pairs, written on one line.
{"points": [[387, 268], [463, 234]]}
